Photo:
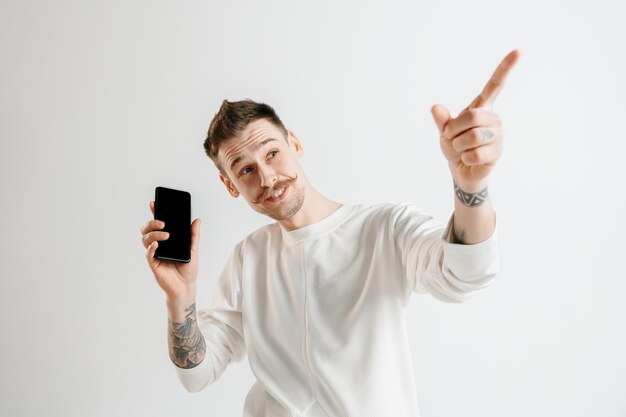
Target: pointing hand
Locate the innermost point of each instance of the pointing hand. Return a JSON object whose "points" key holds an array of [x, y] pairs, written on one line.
{"points": [[472, 142]]}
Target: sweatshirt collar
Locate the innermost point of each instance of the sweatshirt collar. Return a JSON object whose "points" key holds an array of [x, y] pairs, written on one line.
{"points": [[316, 229]]}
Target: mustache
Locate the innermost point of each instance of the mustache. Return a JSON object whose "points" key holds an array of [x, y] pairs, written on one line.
{"points": [[279, 184]]}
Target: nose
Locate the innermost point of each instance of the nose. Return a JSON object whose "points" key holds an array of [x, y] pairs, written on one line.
{"points": [[267, 176]]}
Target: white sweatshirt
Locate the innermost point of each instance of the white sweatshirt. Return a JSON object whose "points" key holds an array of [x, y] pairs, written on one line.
{"points": [[321, 311]]}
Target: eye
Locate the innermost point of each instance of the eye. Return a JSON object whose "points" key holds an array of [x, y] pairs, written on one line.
{"points": [[273, 153], [245, 171]]}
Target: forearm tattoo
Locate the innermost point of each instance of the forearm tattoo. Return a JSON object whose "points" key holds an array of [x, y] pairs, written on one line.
{"points": [[471, 199], [186, 344]]}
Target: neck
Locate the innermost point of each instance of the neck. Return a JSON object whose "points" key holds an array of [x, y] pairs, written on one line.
{"points": [[315, 208]]}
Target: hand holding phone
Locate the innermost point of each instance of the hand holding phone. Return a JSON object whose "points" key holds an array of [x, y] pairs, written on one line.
{"points": [[177, 277]]}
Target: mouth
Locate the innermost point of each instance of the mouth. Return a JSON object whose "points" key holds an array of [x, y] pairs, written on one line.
{"points": [[278, 195]]}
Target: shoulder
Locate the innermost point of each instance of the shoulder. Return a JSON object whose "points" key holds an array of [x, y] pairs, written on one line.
{"points": [[401, 217], [252, 243], [261, 236], [387, 212]]}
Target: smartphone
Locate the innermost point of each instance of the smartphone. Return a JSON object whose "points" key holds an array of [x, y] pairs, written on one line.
{"points": [[174, 208]]}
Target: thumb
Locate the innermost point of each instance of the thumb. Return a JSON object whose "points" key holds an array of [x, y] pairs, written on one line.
{"points": [[441, 116], [195, 235]]}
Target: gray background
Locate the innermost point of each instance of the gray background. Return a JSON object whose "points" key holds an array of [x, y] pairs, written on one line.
{"points": [[102, 101]]}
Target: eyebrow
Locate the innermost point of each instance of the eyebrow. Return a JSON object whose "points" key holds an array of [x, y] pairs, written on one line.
{"points": [[238, 159]]}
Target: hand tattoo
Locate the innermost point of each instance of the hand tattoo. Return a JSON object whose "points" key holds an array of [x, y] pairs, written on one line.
{"points": [[186, 344], [486, 135]]}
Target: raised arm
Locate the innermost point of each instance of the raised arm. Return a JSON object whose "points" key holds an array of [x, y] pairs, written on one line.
{"points": [[178, 280], [472, 144]]}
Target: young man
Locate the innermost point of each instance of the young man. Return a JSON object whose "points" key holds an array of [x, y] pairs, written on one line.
{"points": [[317, 299]]}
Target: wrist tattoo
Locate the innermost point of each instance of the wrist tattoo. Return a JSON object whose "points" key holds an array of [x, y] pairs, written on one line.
{"points": [[186, 344], [471, 199]]}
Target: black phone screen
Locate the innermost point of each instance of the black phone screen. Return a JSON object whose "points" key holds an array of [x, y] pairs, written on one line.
{"points": [[174, 208]]}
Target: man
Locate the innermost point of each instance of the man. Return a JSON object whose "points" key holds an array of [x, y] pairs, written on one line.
{"points": [[317, 300]]}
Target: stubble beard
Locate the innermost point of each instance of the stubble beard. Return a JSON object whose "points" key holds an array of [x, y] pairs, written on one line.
{"points": [[287, 208], [294, 202]]}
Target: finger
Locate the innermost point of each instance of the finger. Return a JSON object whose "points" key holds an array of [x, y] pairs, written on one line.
{"points": [[441, 115], [469, 119], [195, 235], [152, 261], [152, 207], [487, 154], [154, 236], [489, 94], [475, 137], [152, 225]]}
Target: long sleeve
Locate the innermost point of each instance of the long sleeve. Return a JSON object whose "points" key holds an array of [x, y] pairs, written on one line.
{"points": [[432, 264], [222, 328]]}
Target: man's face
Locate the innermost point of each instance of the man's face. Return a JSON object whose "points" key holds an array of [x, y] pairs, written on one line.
{"points": [[264, 168]]}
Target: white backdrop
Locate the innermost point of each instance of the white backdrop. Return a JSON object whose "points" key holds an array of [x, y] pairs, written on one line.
{"points": [[100, 102]]}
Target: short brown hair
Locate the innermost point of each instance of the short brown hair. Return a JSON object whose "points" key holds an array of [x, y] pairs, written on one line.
{"points": [[232, 118]]}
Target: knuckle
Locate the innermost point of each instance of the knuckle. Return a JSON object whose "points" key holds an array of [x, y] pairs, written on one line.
{"points": [[495, 83], [473, 114], [456, 145], [471, 156], [477, 136]]}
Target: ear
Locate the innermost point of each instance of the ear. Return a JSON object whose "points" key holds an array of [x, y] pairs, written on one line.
{"points": [[294, 143], [229, 186]]}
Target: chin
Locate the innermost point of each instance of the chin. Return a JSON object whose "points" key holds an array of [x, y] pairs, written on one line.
{"points": [[287, 208]]}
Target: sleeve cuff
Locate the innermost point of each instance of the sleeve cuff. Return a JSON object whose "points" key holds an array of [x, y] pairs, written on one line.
{"points": [[476, 263], [196, 378]]}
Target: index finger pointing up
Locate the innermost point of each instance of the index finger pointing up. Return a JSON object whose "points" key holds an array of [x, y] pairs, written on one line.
{"points": [[495, 84]]}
